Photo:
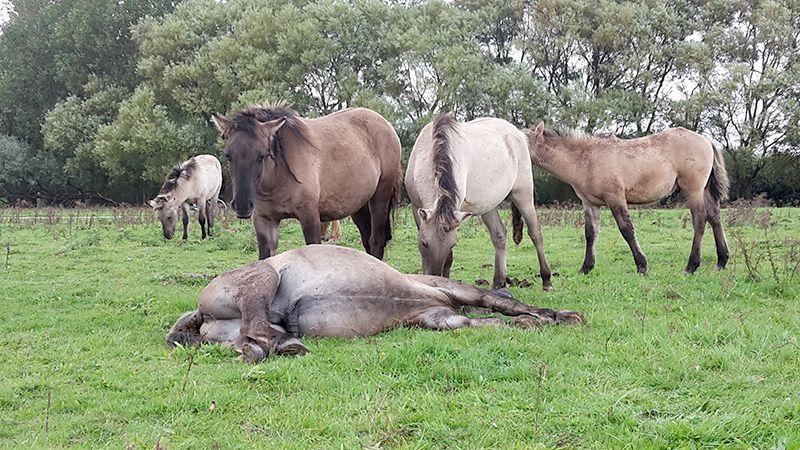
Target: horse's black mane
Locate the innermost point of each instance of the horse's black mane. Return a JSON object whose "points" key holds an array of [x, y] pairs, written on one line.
{"points": [[183, 171], [565, 132], [249, 119], [444, 212]]}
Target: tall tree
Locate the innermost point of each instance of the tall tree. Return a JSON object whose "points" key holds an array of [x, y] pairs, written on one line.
{"points": [[49, 50], [747, 86]]}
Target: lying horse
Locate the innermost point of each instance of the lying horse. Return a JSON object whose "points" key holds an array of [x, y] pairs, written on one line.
{"points": [[323, 290], [457, 170], [197, 180], [617, 172], [285, 166]]}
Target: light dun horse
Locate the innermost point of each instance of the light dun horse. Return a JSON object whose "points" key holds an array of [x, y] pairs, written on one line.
{"points": [[283, 166], [197, 180], [617, 172], [457, 170]]}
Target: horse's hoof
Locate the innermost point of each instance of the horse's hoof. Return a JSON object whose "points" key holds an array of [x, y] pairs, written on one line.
{"points": [[567, 317], [253, 353], [548, 288], [528, 321], [291, 347]]}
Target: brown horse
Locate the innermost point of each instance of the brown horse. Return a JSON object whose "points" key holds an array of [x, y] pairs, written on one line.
{"points": [[284, 166], [335, 235], [617, 172]]}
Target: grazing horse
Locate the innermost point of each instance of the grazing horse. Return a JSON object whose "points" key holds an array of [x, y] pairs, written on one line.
{"points": [[284, 166], [197, 180], [324, 290], [458, 170], [617, 172]]}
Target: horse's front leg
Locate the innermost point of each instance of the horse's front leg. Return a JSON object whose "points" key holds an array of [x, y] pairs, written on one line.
{"points": [[591, 218], [266, 235], [185, 218], [255, 326], [620, 212], [497, 232], [311, 224]]}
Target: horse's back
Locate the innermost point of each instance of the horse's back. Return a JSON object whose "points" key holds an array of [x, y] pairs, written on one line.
{"points": [[357, 136], [207, 176], [488, 154]]}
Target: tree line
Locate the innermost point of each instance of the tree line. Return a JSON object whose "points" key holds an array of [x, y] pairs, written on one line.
{"points": [[98, 98]]}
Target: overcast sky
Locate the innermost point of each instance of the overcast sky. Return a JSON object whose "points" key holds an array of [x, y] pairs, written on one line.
{"points": [[5, 6]]}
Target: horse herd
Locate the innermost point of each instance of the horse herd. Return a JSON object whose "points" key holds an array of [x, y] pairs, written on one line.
{"points": [[349, 164]]}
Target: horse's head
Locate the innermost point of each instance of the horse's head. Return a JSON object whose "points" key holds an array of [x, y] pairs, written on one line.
{"points": [[535, 137], [248, 141], [166, 209], [437, 237]]}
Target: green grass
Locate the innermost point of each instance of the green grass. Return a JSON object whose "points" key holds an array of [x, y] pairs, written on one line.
{"points": [[667, 360]]}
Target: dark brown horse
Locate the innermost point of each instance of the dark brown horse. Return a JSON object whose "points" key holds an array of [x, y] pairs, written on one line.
{"points": [[284, 166]]}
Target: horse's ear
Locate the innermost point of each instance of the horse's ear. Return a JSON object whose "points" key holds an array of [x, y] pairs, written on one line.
{"points": [[271, 127], [222, 123], [461, 215], [538, 130], [425, 214], [152, 203]]}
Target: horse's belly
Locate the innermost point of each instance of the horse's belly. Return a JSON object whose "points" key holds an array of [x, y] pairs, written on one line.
{"points": [[649, 189], [352, 315]]}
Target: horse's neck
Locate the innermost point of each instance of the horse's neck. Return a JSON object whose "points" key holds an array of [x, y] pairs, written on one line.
{"points": [[557, 156], [183, 192], [296, 157]]}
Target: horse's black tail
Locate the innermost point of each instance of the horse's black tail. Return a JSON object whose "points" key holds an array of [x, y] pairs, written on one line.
{"points": [[718, 182], [516, 224], [394, 200]]}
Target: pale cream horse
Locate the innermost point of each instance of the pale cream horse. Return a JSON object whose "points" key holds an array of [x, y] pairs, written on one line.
{"points": [[617, 172], [458, 170], [198, 181]]}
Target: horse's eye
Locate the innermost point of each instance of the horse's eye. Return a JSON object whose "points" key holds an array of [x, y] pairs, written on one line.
{"points": [[260, 158], [425, 244], [228, 156]]}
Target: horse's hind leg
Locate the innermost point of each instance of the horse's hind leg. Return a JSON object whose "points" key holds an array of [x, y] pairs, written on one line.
{"points": [[497, 231], [591, 217], [698, 208], [363, 222], [523, 199], [464, 294], [379, 218], [211, 212], [620, 212], [201, 217], [186, 331], [714, 218], [444, 318]]}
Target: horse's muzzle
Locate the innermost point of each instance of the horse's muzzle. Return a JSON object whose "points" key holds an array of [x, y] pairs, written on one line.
{"points": [[242, 213]]}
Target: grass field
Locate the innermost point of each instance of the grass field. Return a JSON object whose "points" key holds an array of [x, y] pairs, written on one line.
{"points": [[667, 360]]}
